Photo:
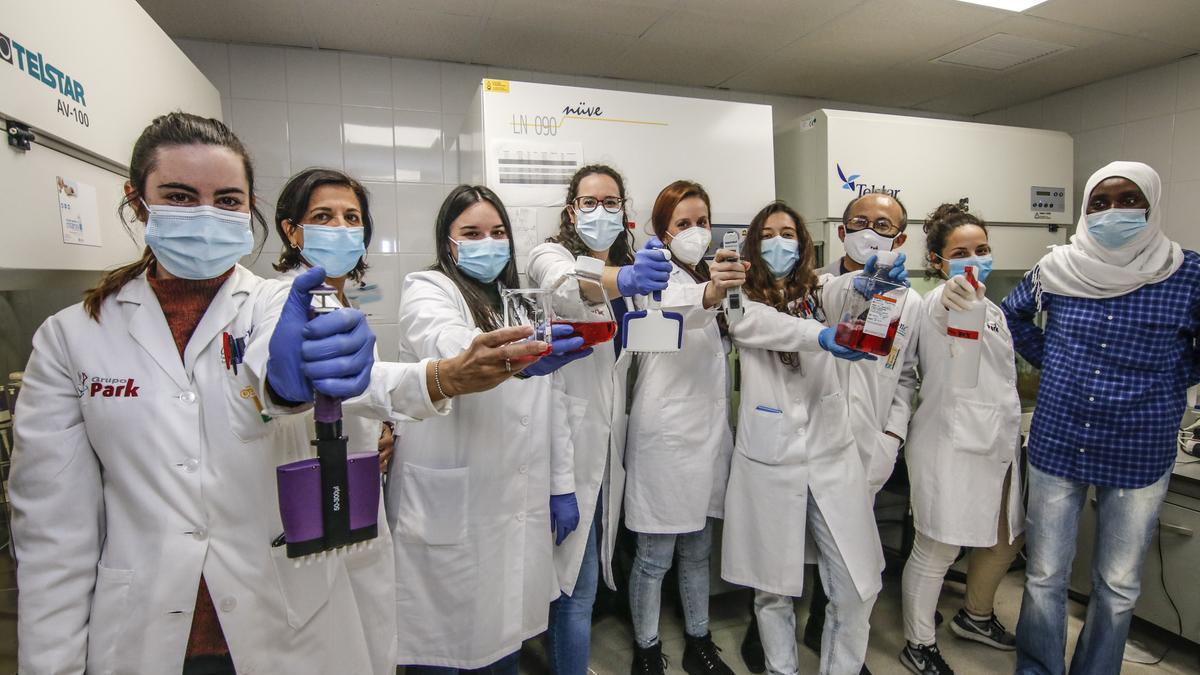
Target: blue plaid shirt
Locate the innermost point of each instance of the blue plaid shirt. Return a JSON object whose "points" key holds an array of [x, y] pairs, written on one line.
{"points": [[1115, 374]]}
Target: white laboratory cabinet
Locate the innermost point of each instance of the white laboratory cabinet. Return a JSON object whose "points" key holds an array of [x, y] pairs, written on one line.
{"points": [[526, 140], [85, 78], [1018, 180]]}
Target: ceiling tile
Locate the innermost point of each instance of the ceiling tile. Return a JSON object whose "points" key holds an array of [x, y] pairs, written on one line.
{"points": [[1116, 16], [385, 29], [507, 43], [273, 22], [623, 17]]}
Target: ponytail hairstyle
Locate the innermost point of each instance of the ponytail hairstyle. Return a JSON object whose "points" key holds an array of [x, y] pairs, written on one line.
{"points": [[664, 208], [481, 297], [294, 202], [621, 252], [938, 226], [801, 283], [173, 129]]}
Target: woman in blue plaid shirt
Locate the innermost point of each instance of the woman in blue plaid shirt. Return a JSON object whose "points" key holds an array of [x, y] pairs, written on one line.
{"points": [[1118, 353]]}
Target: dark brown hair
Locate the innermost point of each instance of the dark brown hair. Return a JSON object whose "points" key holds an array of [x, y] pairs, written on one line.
{"points": [[621, 252], [172, 129], [938, 226], [800, 283], [294, 201], [664, 208], [481, 297]]}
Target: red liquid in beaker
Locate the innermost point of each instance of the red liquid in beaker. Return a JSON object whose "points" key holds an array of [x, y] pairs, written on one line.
{"points": [[852, 336], [592, 332]]}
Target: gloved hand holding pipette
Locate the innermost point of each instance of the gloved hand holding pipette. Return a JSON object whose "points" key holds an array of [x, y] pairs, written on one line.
{"points": [[649, 272], [959, 295], [333, 355], [563, 350]]}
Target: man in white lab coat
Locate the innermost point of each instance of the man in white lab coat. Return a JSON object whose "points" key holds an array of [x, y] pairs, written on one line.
{"points": [[880, 392]]}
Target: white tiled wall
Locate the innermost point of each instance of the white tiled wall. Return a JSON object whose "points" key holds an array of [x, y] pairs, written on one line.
{"points": [[390, 122], [1152, 116]]}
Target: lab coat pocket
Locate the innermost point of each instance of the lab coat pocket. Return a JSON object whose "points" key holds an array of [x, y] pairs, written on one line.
{"points": [[685, 423], [110, 611], [433, 505], [304, 588], [976, 427], [576, 412], [829, 434], [762, 435], [245, 408]]}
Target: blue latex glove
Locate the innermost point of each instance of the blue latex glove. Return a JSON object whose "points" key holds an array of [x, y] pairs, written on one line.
{"points": [[828, 343], [563, 350], [897, 274], [338, 352], [649, 272], [564, 516], [285, 366]]}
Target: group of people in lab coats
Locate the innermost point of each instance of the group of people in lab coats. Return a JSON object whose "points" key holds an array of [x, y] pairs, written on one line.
{"points": [[147, 522]]}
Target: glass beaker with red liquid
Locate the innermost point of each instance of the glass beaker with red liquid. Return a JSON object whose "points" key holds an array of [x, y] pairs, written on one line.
{"points": [[578, 300], [871, 310]]}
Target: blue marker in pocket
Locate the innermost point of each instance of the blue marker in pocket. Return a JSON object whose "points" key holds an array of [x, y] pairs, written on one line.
{"points": [[768, 409]]}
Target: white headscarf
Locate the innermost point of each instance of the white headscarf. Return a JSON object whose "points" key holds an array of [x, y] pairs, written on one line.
{"points": [[1085, 269]]}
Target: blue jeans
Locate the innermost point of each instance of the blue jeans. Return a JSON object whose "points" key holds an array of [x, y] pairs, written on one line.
{"points": [[505, 666], [655, 553], [1126, 520], [570, 631]]}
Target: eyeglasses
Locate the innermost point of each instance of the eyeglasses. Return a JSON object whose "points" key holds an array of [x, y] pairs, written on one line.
{"points": [[882, 226], [589, 204]]}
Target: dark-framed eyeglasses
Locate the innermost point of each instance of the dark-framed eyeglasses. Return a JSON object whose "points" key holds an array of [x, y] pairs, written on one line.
{"points": [[882, 226], [589, 204]]}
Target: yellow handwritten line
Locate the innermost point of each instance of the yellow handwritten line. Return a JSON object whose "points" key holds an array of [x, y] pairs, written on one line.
{"points": [[609, 119]]}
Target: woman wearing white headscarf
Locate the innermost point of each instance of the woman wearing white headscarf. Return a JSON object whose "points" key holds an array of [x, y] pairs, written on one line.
{"points": [[1117, 355]]}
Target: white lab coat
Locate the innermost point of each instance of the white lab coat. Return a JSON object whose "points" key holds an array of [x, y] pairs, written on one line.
{"points": [[597, 385], [468, 497], [781, 457], [121, 502], [880, 393], [679, 445], [962, 442], [372, 568]]}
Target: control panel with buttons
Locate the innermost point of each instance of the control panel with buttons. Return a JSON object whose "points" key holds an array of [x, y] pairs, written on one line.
{"points": [[1047, 199]]}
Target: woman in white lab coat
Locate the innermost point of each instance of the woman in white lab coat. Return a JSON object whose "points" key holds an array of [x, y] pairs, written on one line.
{"points": [[143, 483], [796, 470], [963, 451], [594, 226], [323, 217], [679, 444], [468, 494]]}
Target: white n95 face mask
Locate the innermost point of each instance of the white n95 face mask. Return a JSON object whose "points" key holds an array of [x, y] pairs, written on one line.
{"points": [[861, 245], [691, 244]]}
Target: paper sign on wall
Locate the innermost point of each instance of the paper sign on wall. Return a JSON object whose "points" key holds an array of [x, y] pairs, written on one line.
{"points": [[77, 212], [532, 173]]}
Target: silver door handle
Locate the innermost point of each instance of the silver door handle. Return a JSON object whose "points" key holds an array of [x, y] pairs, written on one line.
{"points": [[1177, 529]]}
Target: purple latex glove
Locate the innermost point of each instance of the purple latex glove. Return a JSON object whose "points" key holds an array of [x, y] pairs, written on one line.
{"points": [[649, 272], [338, 352], [829, 344], [563, 350], [564, 516], [285, 365]]}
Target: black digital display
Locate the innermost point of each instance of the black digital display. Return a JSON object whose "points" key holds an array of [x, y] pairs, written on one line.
{"points": [[1043, 194]]}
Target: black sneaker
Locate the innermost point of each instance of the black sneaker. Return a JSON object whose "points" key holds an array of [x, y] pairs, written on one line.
{"points": [[752, 649], [989, 632], [702, 657], [924, 660], [649, 661]]}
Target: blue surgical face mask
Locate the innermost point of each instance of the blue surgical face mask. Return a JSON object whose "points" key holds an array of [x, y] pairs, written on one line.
{"points": [[780, 255], [337, 249], [483, 259], [981, 263], [197, 242], [1116, 227], [599, 229]]}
